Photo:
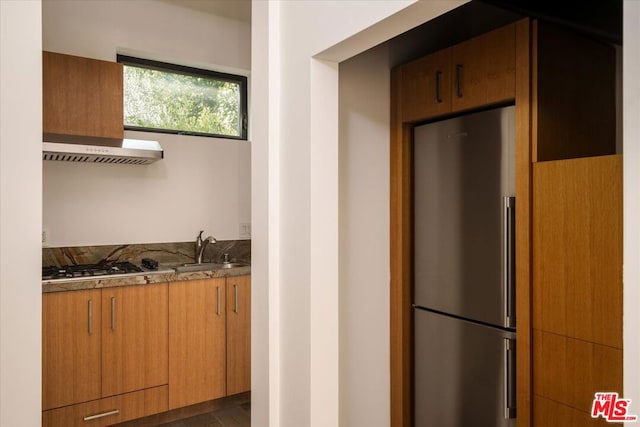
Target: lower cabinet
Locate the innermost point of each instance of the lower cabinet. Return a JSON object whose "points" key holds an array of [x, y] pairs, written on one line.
{"points": [[116, 354], [70, 347], [238, 334], [196, 341], [100, 343], [110, 410], [209, 339], [135, 338]]}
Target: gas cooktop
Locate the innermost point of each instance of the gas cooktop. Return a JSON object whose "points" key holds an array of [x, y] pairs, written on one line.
{"points": [[89, 270]]}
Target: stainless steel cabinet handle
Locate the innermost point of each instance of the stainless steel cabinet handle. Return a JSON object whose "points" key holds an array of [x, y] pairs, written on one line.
{"points": [[509, 378], [459, 80], [438, 97], [90, 317], [113, 313], [235, 291], [104, 414], [508, 259], [218, 300]]}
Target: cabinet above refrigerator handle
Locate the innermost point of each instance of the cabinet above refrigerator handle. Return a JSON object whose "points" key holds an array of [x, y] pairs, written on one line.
{"points": [[438, 77], [508, 258], [459, 80]]}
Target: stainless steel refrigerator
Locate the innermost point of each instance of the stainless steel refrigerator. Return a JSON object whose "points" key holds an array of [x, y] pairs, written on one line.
{"points": [[464, 255]]}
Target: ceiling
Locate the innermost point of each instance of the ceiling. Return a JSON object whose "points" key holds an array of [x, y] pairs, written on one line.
{"points": [[239, 10], [600, 19]]}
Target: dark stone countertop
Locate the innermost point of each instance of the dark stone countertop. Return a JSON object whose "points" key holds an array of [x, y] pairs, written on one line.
{"points": [[163, 275]]}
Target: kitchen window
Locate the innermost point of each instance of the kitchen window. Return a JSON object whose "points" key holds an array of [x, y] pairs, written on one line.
{"points": [[169, 98]]}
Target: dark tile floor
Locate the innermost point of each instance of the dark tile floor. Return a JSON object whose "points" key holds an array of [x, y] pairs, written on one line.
{"points": [[237, 416], [231, 411]]}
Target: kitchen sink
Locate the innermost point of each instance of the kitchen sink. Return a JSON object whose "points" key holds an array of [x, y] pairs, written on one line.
{"points": [[232, 264], [186, 268]]}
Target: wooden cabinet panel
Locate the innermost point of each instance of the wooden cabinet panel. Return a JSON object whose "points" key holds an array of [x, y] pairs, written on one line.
{"points": [[70, 347], [476, 73], [128, 406], [82, 96], [574, 105], [196, 341], [238, 334], [577, 248], [425, 89], [484, 69], [135, 343], [571, 371], [549, 413]]}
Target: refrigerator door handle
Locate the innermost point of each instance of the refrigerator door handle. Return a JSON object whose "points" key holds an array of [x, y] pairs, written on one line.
{"points": [[509, 378], [508, 255]]}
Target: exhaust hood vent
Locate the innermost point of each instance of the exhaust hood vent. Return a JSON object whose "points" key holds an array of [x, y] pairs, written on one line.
{"points": [[101, 150]]}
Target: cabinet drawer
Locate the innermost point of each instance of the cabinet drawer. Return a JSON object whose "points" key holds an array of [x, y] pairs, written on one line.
{"points": [[109, 410]]}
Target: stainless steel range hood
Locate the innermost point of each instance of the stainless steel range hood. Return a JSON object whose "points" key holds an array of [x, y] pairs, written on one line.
{"points": [[71, 148]]}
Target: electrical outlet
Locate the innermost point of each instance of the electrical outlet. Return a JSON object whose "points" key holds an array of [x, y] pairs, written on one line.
{"points": [[245, 229], [45, 236]]}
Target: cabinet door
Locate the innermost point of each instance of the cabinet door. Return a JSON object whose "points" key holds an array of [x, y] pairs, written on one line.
{"points": [[110, 410], [135, 338], [81, 96], [484, 69], [70, 347], [426, 87], [238, 334], [196, 341]]}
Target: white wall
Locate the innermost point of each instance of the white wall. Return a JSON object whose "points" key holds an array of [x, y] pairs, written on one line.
{"points": [[364, 239], [303, 238], [203, 183], [631, 200], [20, 213]]}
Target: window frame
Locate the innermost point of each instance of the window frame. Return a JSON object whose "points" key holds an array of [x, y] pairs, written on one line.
{"points": [[196, 72]]}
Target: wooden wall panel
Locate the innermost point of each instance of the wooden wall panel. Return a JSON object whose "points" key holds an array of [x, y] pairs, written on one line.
{"points": [[572, 371], [577, 248], [575, 95], [548, 413], [523, 220], [400, 262]]}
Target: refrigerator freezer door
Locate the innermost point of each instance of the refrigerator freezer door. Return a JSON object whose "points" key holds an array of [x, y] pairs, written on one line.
{"points": [[463, 167], [464, 373]]}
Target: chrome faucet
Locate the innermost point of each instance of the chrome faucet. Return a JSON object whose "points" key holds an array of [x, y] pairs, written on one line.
{"points": [[201, 245]]}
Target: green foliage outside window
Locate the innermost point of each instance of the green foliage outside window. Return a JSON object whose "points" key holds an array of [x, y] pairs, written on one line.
{"points": [[171, 101]]}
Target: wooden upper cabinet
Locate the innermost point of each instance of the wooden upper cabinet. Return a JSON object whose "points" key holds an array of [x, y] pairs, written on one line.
{"points": [[238, 334], [70, 347], [82, 96], [196, 341], [135, 338], [484, 69], [476, 73], [425, 87]]}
